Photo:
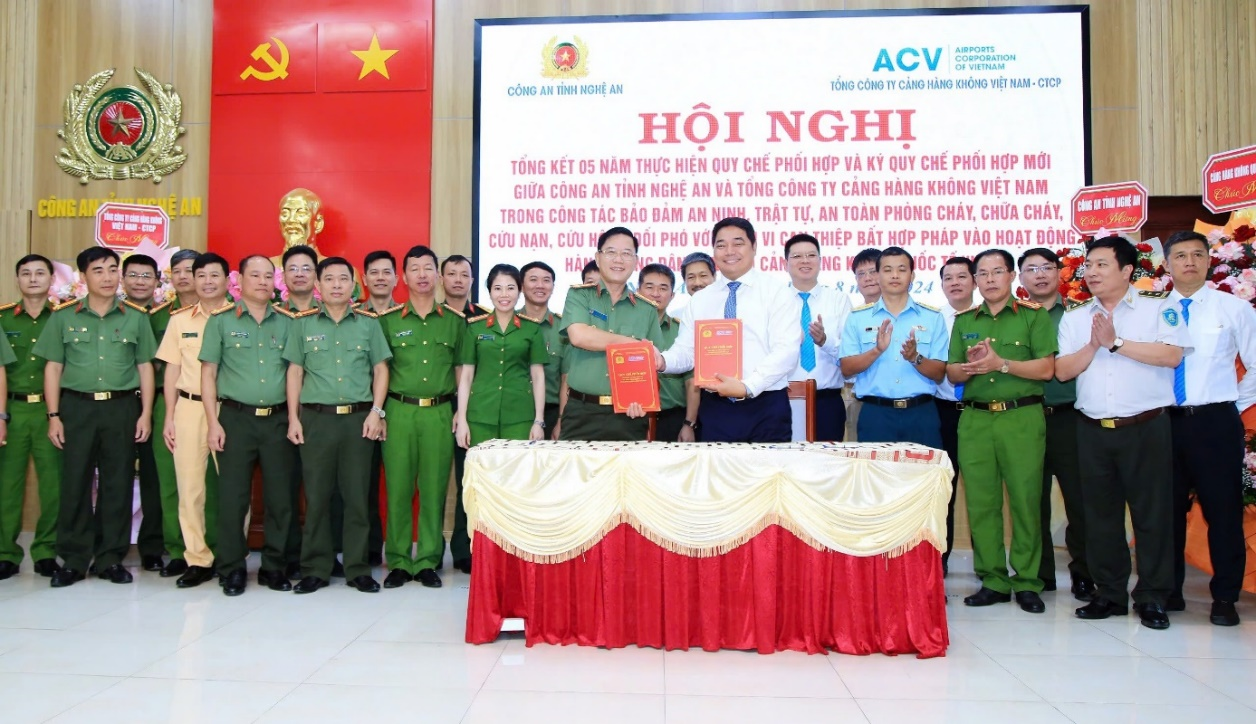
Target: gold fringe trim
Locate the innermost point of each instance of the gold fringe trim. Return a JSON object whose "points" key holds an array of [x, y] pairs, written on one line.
{"points": [[719, 549]]}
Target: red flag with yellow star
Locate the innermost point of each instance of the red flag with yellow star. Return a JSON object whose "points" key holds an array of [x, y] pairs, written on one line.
{"points": [[380, 56]]}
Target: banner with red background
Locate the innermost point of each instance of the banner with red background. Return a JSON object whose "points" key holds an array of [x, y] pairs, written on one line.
{"points": [[327, 95]]}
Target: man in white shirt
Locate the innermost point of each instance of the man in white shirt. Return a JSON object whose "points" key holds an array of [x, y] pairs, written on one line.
{"points": [[754, 408], [958, 286], [1122, 347], [824, 311], [1208, 446]]}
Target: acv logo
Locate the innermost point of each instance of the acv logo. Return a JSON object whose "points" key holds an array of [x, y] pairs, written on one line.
{"points": [[907, 59]]}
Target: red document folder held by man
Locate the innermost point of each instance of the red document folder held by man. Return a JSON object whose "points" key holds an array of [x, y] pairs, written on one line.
{"points": [[633, 376], [716, 350]]}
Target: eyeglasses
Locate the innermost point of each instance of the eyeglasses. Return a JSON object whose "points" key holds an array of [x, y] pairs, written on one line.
{"points": [[625, 255], [866, 274], [140, 275], [304, 269], [804, 257], [991, 273], [1040, 268]]}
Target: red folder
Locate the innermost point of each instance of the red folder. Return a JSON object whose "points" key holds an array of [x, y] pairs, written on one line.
{"points": [[716, 350], [634, 378]]}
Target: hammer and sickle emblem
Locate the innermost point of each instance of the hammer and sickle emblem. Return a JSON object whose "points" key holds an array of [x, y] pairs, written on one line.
{"points": [[278, 68]]}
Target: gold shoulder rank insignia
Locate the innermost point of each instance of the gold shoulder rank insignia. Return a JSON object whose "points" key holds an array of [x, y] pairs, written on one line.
{"points": [[1028, 304], [558, 315], [365, 313], [455, 311], [533, 320], [7, 307], [860, 308], [480, 318], [973, 308], [1071, 304], [1153, 294], [135, 306], [224, 308], [306, 313], [63, 305], [590, 285], [390, 310], [651, 302], [160, 307], [929, 306], [482, 308], [181, 310], [283, 310]]}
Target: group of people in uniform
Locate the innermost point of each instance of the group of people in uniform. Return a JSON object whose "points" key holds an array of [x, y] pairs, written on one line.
{"points": [[1128, 399]]}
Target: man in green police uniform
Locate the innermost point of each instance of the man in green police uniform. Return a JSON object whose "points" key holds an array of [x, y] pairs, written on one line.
{"points": [[658, 284], [337, 381], [538, 287], [1002, 351], [425, 339], [99, 351], [299, 262], [28, 425], [595, 316], [457, 277], [243, 387], [8, 566]]}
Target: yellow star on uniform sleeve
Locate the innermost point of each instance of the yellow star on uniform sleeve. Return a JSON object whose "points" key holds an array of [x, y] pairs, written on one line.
{"points": [[374, 59]]}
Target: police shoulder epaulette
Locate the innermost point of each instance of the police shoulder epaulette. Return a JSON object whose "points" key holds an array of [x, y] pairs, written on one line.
{"points": [[480, 318], [651, 302], [1070, 305], [283, 310], [365, 313], [929, 306], [973, 308], [7, 307], [224, 308], [136, 307], [306, 313], [455, 311], [534, 320], [181, 310], [590, 285], [390, 310], [63, 305], [1028, 304], [159, 307], [482, 308], [860, 308], [1153, 294], [557, 315]]}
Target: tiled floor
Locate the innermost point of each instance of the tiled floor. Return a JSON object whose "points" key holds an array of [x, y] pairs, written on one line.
{"points": [[148, 652]]}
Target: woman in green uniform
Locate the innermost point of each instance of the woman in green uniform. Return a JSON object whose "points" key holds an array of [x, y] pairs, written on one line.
{"points": [[501, 389]]}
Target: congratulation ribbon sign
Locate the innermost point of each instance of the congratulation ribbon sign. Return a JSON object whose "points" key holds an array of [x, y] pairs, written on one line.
{"points": [[1230, 180], [1115, 208], [125, 227]]}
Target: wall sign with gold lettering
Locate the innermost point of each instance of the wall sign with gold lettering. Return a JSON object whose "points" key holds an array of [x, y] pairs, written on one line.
{"points": [[121, 132]]}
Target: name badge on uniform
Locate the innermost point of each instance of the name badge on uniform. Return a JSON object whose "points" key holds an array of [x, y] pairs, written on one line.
{"points": [[316, 338], [404, 333], [14, 334], [240, 335], [920, 328], [485, 337], [970, 335], [599, 315], [190, 335]]}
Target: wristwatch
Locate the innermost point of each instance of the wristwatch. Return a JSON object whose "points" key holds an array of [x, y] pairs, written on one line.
{"points": [[5, 417], [53, 414], [378, 411], [1116, 345], [691, 425], [1007, 366], [539, 423], [919, 358]]}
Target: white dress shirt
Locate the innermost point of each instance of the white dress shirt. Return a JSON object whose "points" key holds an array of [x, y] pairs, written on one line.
{"points": [[1114, 385], [771, 334], [833, 308], [1223, 327], [946, 388]]}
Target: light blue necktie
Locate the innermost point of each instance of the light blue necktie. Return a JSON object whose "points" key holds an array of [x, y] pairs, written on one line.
{"points": [[808, 353], [1179, 372], [730, 304]]}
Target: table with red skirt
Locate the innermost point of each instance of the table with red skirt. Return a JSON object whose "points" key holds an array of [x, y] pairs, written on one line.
{"points": [[810, 547]]}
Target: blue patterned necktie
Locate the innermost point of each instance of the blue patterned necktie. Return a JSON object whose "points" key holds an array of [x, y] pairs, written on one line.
{"points": [[808, 353], [1179, 372], [730, 304]]}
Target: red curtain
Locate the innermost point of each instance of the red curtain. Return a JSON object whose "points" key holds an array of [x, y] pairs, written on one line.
{"points": [[774, 593]]}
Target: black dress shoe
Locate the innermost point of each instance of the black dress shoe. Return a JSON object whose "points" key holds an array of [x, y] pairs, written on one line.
{"points": [[8, 569], [152, 563], [375, 560], [1084, 589], [365, 584], [293, 571], [66, 577], [397, 578], [176, 567], [1152, 615], [116, 574], [337, 569], [195, 576], [987, 597], [1175, 602], [1030, 602], [463, 565], [1101, 608], [47, 566], [235, 582], [309, 584], [274, 580], [1223, 614], [1048, 584], [428, 578]]}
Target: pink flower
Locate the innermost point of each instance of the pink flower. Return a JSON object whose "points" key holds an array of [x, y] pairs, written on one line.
{"points": [[1250, 461], [1244, 291], [1221, 269], [1215, 236], [1230, 251]]}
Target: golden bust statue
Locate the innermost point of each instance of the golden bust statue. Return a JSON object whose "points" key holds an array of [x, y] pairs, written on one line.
{"points": [[300, 218]]}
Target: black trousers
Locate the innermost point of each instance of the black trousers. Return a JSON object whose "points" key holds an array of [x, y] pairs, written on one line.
{"points": [[667, 429], [1060, 461], [100, 448], [948, 416], [375, 538], [765, 418], [1128, 465], [830, 415], [1208, 452]]}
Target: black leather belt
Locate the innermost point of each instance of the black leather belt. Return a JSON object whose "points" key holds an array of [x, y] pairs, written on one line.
{"points": [[32, 398], [1189, 410], [101, 396], [251, 409], [339, 409], [591, 399], [1054, 409], [902, 403], [189, 396], [1112, 423], [423, 401], [1004, 406]]}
